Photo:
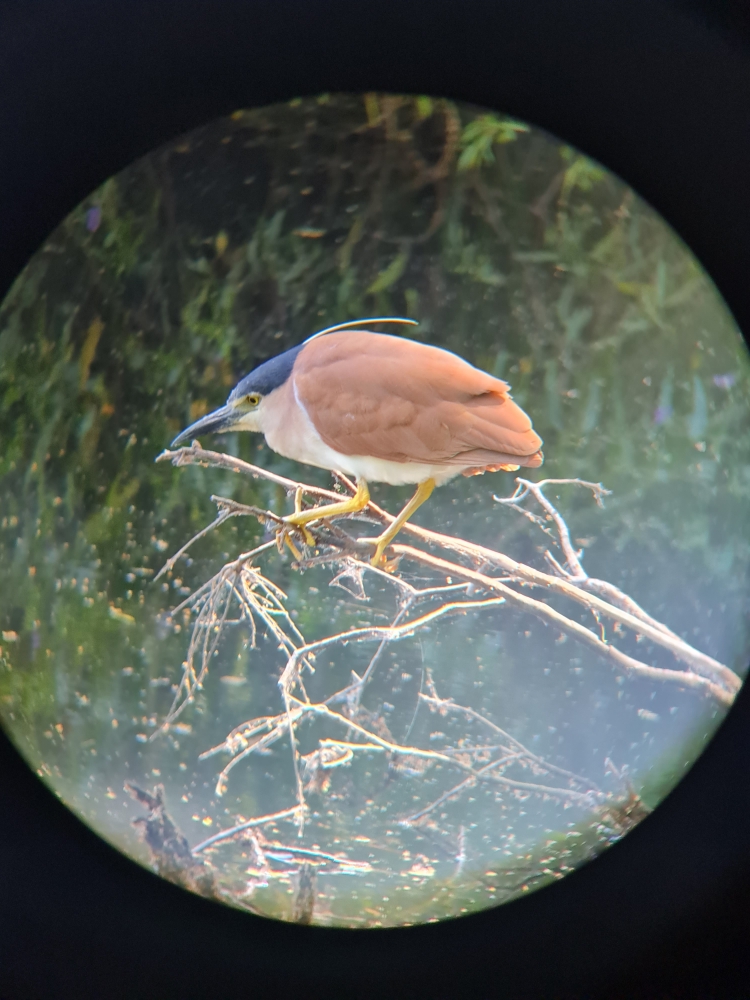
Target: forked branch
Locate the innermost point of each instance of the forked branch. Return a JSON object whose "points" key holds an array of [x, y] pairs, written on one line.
{"points": [[464, 578]]}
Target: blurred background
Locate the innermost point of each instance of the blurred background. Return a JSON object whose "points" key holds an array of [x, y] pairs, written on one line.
{"points": [[229, 245]]}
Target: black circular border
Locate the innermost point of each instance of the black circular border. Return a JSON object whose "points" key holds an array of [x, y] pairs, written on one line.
{"points": [[658, 92]]}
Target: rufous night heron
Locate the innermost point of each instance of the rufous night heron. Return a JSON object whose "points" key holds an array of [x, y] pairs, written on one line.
{"points": [[382, 409]]}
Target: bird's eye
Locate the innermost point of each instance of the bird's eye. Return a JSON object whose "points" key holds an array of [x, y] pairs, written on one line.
{"points": [[252, 399]]}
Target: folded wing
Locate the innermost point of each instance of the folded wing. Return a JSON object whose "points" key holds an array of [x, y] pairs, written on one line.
{"points": [[397, 399]]}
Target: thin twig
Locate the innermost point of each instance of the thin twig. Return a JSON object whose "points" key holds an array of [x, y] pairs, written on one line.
{"points": [[169, 564], [448, 705], [247, 825], [195, 455], [576, 573], [389, 632]]}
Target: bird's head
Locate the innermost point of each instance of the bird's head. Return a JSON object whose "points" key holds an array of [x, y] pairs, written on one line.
{"points": [[247, 402], [250, 401]]}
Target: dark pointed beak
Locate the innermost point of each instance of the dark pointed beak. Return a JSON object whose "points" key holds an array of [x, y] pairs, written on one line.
{"points": [[218, 422]]}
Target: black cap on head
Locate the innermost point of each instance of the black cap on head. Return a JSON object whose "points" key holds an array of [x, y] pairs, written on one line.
{"points": [[268, 376]]}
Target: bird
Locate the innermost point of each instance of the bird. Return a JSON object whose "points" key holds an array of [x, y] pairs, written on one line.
{"points": [[381, 408]]}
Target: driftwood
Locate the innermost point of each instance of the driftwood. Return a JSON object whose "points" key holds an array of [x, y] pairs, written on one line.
{"points": [[465, 578]]}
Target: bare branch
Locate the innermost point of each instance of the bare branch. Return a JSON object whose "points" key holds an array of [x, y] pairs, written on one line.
{"points": [[448, 705], [196, 455], [387, 632], [718, 675], [459, 580], [169, 564], [247, 825], [575, 572], [553, 617]]}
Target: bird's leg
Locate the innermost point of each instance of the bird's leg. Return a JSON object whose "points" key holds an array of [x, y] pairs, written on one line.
{"points": [[424, 490], [309, 540], [359, 501]]}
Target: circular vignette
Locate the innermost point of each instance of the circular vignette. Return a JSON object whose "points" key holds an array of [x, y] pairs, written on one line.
{"points": [[722, 263], [493, 727]]}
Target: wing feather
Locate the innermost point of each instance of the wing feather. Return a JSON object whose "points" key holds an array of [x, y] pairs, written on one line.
{"points": [[391, 398]]}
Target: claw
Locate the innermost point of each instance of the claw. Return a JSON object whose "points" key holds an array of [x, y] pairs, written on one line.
{"points": [[283, 537], [378, 559]]}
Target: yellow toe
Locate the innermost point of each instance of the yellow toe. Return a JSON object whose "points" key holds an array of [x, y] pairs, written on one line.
{"points": [[377, 557], [283, 538]]}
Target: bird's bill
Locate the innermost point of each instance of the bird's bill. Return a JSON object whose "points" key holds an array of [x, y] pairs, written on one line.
{"points": [[219, 422]]}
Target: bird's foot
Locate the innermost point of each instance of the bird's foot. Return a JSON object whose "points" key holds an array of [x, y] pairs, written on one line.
{"points": [[379, 559], [305, 532], [284, 537], [424, 489], [390, 565], [300, 518]]}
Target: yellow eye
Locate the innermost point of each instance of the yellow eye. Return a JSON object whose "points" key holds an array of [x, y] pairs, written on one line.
{"points": [[252, 399]]}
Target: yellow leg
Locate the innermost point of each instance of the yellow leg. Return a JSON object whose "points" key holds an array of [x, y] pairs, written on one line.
{"points": [[424, 490], [360, 500], [309, 540]]}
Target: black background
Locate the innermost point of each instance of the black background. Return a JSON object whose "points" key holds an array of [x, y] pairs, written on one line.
{"points": [[657, 91]]}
